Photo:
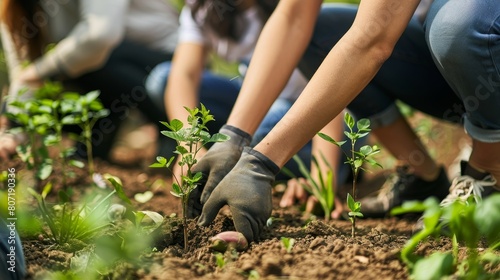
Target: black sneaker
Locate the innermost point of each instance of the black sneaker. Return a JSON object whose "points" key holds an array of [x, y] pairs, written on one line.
{"points": [[465, 186], [404, 186]]}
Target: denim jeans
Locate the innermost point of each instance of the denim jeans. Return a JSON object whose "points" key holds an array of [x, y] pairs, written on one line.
{"points": [[216, 92], [12, 264], [464, 38], [409, 75]]}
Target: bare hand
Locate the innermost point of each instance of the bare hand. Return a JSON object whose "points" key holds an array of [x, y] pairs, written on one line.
{"points": [[295, 192]]}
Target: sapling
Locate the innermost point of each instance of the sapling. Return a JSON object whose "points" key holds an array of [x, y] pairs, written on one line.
{"points": [[355, 159], [190, 140], [86, 110]]}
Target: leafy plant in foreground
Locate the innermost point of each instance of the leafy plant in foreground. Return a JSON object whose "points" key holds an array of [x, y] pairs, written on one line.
{"points": [[356, 160], [466, 223], [190, 140], [68, 222]]}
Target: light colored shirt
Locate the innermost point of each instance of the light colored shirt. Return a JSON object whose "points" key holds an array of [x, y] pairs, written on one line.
{"points": [[86, 31]]}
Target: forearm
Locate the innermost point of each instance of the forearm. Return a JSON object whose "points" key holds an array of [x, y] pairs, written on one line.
{"points": [[346, 70], [184, 79], [322, 149], [279, 48]]}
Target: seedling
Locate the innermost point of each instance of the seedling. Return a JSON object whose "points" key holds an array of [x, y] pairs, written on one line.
{"points": [[33, 121], [86, 111], [287, 243], [190, 140], [355, 159]]}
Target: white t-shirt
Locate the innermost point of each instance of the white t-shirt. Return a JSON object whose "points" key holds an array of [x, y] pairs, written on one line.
{"points": [[249, 25]]}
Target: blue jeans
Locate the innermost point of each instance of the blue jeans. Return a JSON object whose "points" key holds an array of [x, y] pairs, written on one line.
{"points": [[217, 93], [464, 38], [12, 264], [409, 75]]}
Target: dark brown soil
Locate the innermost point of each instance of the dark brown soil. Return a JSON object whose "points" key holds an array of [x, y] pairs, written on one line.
{"points": [[322, 250]]}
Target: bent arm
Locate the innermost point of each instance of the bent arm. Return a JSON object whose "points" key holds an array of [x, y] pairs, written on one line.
{"points": [[347, 69], [86, 48]]}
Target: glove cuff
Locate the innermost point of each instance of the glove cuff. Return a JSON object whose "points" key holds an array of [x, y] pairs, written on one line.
{"points": [[238, 136], [265, 160]]}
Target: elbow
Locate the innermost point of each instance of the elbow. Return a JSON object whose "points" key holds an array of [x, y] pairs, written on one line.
{"points": [[377, 47]]}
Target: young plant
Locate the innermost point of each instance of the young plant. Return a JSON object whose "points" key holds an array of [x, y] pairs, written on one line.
{"points": [[287, 243], [322, 188], [34, 121], [68, 222], [190, 140], [355, 159], [86, 110], [466, 223]]}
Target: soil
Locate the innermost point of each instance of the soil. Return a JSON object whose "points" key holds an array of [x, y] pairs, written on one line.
{"points": [[322, 249]]}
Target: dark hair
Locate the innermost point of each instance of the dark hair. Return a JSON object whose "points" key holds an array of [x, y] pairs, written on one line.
{"points": [[18, 16], [221, 14]]}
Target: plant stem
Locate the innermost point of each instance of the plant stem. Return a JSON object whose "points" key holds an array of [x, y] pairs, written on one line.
{"points": [[184, 220]]}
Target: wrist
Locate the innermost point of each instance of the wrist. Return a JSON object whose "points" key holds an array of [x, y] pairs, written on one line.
{"points": [[271, 166], [238, 136]]}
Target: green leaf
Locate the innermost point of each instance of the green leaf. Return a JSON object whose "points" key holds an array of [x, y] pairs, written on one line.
{"points": [[484, 217], [177, 135], [175, 125], [44, 170], [349, 121], [46, 189], [182, 150], [219, 137], [350, 202], [355, 214], [176, 190], [119, 189], [363, 124], [91, 96], [77, 163], [434, 267], [330, 139], [365, 150]]}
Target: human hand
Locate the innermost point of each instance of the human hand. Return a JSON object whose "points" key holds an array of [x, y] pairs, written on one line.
{"points": [[247, 189], [8, 141], [216, 163], [296, 192], [29, 76]]}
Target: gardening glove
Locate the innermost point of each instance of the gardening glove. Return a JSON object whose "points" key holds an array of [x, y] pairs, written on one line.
{"points": [[215, 164], [247, 191]]}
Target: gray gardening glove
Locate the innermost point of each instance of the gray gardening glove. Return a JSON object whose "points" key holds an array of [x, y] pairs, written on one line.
{"points": [[215, 164], [247, 191]]}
